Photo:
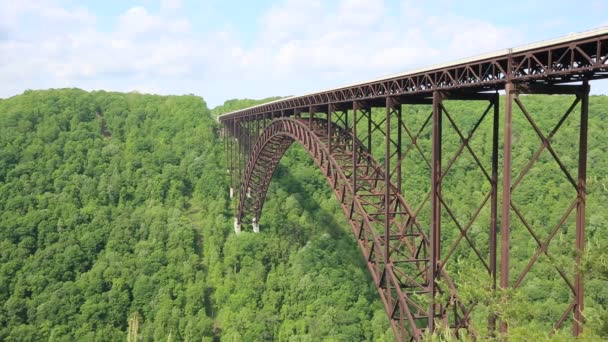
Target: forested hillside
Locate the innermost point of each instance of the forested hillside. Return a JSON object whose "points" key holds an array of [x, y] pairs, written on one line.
{"points": [[114, 213], [115, 220]]}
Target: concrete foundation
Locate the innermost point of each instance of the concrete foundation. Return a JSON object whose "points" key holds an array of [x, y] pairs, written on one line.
{"points": [[237, 226]]}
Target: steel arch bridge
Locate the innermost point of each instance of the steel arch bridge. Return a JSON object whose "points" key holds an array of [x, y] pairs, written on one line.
{"points": [[406, 257]]}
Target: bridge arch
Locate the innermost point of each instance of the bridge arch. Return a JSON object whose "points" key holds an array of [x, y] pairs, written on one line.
{"points": [[396, 254]]}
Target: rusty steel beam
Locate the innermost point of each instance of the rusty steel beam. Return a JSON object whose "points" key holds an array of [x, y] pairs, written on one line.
{"points": [[387, 206], [435, 205], [494, 207], [579, 299], [581, 93], [438, 202], [510, 93], [569, 59], [356, 108], [405, 259]]}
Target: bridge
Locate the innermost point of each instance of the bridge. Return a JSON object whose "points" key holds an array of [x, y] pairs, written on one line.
{"points": [[404, 251]]}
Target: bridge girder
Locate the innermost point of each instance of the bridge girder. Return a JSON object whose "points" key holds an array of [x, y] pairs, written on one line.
{"points": [[337, 128], [407, 258]]}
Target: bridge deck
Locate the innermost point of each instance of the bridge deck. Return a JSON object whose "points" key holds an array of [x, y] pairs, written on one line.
{"points": [[567, 59]]}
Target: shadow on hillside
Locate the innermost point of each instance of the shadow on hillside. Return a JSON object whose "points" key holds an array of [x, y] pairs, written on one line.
{"points": [[294, 185]]}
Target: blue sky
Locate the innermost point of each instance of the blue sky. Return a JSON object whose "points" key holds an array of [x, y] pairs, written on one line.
{"points": [[251, 49]]}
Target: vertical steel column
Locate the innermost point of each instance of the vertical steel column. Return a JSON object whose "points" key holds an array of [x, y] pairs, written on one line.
{"points": [[232, 166], [399, 149], [579, 299], [330, 109], [346, 117], [387, 191], [248, 126], [356, 108], [236, 163], [435, 236], [494, 206], [228, 142], [369, 131], [244, 143], [310, 115], [257, 126], [510, 94], [223, 136]]}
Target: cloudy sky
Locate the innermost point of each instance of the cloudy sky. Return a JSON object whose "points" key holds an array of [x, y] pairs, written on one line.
{"points": [[223, 49]]}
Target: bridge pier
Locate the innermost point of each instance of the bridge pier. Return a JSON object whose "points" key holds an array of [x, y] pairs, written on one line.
{"points": [[510, 185], [255, 225], [442, 213], [237, 226]]}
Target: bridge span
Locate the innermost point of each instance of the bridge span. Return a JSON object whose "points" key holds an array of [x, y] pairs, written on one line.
{"points": [[408, 260]]}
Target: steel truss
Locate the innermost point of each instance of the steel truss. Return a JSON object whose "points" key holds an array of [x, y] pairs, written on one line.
{"points": [[567, 61], [407, 260], [406, 252], [510, 185]]}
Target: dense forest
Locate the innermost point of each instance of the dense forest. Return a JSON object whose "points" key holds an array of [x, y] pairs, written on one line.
{"points": [[116, 223]]}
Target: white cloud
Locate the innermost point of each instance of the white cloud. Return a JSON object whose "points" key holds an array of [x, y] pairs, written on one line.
{"points": [[300, 45], [471, 37], [359, 14], [48, 16], [137, 22], [170, 5], [360, 39], [64, 47]]}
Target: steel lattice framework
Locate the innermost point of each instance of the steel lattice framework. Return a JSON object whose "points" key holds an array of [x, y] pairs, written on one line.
{"points": [[405, 255]]}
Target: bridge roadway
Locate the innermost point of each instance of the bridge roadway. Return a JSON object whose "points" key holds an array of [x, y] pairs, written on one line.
{"points": [[567, 59], [407, 260]]}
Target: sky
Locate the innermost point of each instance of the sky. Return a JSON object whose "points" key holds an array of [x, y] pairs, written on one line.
{"points": [[223, 49]]}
